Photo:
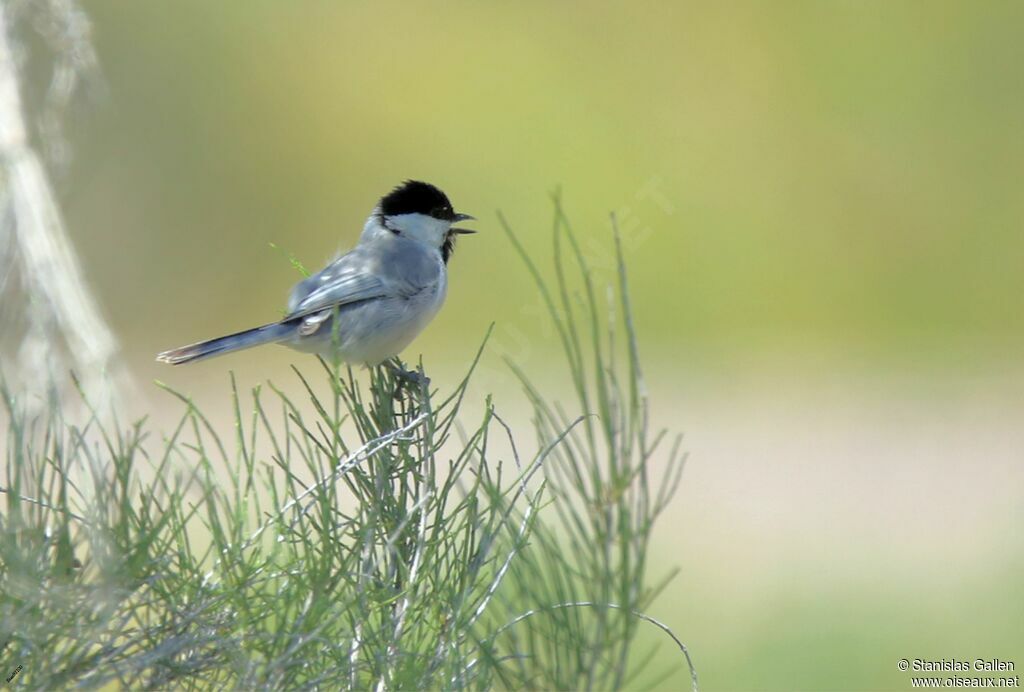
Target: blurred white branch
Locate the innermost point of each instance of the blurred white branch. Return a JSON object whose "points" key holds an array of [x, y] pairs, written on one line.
{"points": [[55, 298]]}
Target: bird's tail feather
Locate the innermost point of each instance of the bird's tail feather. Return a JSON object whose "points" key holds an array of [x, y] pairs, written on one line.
{"points": [[266, 334]]}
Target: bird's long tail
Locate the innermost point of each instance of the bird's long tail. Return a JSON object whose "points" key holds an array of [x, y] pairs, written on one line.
{"points": [[266, 334]]}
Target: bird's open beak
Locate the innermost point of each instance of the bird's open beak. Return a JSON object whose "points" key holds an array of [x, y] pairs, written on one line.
{"points": [[462, 217]]}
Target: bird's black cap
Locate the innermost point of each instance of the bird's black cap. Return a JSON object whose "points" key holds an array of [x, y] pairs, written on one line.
{"points": [[417, 197]]}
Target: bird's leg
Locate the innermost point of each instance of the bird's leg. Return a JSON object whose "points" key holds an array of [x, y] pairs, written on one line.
{"points": [[410, 379]]}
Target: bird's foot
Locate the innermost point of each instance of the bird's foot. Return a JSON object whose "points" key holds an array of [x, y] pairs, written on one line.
{"points": [[411, 380]]}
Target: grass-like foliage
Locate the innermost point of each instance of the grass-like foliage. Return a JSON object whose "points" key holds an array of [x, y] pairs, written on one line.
{"points": [[362, 536]]}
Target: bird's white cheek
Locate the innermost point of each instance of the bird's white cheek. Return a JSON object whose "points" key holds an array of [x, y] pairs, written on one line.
{"points": [[431, 232], [420, 227]]}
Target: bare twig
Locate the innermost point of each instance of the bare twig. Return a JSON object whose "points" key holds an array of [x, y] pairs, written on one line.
{"points": [[592, 604], [58, 301], [46, 505], [355, 458]]}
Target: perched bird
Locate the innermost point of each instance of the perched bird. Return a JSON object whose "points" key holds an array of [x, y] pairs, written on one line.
{"points": [[370, 303]]}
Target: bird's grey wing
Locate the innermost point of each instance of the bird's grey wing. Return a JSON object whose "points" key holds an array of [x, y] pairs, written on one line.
{"points": [[348, 279], [340, 290], [337, 290], [401, 269]]}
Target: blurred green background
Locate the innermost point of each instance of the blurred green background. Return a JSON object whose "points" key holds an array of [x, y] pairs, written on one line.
{"points": [[822, 209]]}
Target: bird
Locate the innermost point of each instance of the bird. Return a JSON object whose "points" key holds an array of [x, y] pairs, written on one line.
{"points": [[367, 305]]}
